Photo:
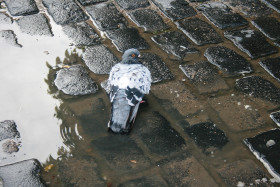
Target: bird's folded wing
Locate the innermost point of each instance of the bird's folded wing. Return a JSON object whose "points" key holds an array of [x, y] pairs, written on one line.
{"points": [[135, 79]]}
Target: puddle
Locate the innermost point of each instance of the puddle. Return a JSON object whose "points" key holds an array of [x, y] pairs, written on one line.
{"points": [[24, 94], [71, 132]]}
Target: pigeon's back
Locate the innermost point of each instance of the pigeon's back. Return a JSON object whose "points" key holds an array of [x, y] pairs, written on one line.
{"points": [[129, 83]]}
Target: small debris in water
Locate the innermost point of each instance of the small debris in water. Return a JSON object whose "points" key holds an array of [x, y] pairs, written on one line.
{"points": [[48, 167], [133, 161], [240, 184]]}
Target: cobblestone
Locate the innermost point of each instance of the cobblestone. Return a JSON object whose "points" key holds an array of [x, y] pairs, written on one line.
{"points": [[250, 8], [251, 42], [175, 9], [99, 59], [275, 116], [174, 43], [228, 60], [205, 77], [157, 134], [65, 12], [126, 38], [222, 16], [268, 26], [36, 24], [148, 19], [75, 81], [190, 129], [10, 37], [272, 66], [259, 87], [132, 4], [238, 172], [81, 34], [159, 71], [266, 147], [199, 31], [106, 16], [238, 112], [207, 135], [21, 8]]}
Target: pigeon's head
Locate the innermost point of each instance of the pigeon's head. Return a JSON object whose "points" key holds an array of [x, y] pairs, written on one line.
{"points": [[131, 56]]}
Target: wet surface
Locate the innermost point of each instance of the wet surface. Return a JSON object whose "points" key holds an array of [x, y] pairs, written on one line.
{"points": [[189, 131], [251, 42], [266, 148], [222, 16], [228, 60], [24, 173], [199, 31]]}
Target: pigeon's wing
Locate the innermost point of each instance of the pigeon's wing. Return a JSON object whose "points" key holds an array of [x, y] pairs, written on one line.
{"points": [[134, 78]]}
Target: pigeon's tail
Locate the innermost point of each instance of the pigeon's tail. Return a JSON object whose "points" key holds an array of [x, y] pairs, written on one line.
{"points": [[122, 114]]}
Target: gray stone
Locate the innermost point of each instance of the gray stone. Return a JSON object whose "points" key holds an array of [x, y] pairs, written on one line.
{"points": [[251, 42], [199, 31], [24, 173], [273, 4], [238, 112], [269, 26], [82, 34], [148, 19], [80, 172], [118, 151], [152, 180], [157, 134], [222, 16], [207, 135], [99, 59], [176, 98], [36, 24], [228, 60], [245, 171], [8, 129], [9, 37], [275, 116], [174, 43], [185, 170], [65, 12], [204, 76], [132, 4], [106, 16], [21, 7], [90, 2], [127, 38], [175, 9], [260, 88], [267, 153], [94, 117], [10, 146], [75, 81], [272, 66], [159, 71], [5, 19], [250, 8]]}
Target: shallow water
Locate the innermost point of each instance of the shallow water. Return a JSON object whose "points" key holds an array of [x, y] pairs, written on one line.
{"points": [[24, 94], [71, 132]]}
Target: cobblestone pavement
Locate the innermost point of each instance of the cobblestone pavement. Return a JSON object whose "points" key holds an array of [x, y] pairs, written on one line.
{"points": [[213, 113]]}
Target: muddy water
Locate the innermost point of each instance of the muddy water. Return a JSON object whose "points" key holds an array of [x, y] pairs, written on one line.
{"points": [[58, 129]]}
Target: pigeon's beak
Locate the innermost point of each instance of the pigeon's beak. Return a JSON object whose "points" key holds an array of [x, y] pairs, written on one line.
{"points": [[139, 56]]}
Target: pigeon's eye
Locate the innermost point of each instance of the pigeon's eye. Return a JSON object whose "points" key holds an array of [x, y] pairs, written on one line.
{"points": [[133, 55]]}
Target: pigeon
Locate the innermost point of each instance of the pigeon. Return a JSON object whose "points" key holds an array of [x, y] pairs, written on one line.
{"points": [[129, 80]]}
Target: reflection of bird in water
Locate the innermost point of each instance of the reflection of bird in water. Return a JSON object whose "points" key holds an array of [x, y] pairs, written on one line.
{"points": [[129, 80]]}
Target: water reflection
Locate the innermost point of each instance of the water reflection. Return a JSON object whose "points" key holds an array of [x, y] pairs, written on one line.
{"points": [[24, 95]]}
